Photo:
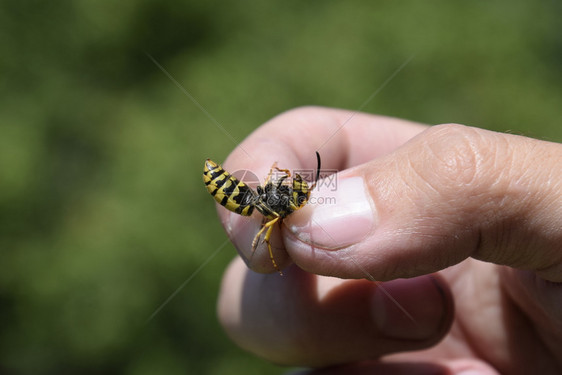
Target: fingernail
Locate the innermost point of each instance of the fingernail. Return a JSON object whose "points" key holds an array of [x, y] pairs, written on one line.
{"points": [[335, 217], [413, 309]]}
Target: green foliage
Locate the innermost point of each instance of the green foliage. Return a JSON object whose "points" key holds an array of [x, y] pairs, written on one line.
{"points": [[103, 213]]}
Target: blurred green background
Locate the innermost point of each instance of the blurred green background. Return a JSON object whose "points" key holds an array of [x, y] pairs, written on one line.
{"points": [[103, 211]]}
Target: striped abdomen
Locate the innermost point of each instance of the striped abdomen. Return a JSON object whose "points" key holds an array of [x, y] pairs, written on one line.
{"points": [[227, 190]]}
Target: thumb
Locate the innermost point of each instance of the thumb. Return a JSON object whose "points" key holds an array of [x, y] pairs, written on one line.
{"points": [[450, 193]]}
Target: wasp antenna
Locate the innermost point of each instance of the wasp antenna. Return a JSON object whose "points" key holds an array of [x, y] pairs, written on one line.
{"points": [[317, 169]]}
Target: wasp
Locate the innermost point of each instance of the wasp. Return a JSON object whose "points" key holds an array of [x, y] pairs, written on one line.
{"points": [[275, 200]]}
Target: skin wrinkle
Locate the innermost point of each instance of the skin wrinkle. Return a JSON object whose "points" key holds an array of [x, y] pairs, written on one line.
{"points": [[486, 157], [503, 182], [457, 168], [551, 198], [477, 154], [415, 170], [508, 163], [510, 188], [550, 195]]}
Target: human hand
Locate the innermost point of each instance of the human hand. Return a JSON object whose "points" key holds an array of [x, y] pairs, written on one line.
{"points": [[468, 220]]}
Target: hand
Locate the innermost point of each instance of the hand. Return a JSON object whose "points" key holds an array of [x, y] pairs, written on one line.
{"points": [[469, 221]]}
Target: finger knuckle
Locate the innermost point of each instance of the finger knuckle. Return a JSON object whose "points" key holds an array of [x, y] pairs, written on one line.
{"points": [[457, 158]]}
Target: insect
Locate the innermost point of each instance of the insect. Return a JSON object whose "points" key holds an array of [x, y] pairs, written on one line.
{"points": [[275, 200]]}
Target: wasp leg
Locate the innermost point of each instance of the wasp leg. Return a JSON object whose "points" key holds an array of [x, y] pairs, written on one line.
{"points": [[274, 166], [255, 242], [286, 171], [268, 228]]}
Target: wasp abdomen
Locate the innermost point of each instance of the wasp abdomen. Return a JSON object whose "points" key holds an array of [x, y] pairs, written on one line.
{"points": [[227, 190]]}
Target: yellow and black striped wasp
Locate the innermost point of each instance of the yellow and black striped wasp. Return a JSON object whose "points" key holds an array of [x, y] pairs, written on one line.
{"points": [[275, 200]]}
